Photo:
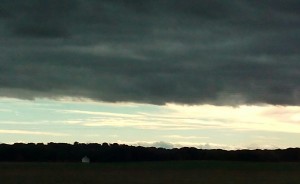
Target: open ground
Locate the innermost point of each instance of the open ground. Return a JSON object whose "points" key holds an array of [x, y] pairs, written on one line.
{"points": [[211, 172]]}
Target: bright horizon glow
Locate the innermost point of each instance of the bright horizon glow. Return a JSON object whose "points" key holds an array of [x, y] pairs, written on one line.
{"points": [[171, 125]]}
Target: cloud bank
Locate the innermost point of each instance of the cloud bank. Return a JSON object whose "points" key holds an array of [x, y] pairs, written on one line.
{"points": [[192, 52]]}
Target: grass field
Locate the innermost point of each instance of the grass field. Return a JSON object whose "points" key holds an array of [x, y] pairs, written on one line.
{"points": [[192, 172]]}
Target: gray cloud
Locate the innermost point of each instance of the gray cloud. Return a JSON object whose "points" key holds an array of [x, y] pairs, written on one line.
{"points": [[194, 52]]}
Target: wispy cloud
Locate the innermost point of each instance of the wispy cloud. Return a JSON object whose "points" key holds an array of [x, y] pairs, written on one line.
{"points": [[100, 113], [31, 132], [184, 137], [243, 118], [6, 110], [178, 117]]}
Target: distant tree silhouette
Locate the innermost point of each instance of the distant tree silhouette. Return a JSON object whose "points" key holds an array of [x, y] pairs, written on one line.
{"points": [[62, 152]]}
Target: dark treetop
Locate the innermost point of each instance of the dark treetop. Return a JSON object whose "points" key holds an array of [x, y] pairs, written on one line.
{"points": [[62, 152]]}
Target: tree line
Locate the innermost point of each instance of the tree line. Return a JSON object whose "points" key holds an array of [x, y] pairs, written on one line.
{"points": [[63, 152]]}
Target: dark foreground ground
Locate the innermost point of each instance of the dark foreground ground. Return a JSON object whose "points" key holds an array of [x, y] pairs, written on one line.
{"points": [[192, 172]]}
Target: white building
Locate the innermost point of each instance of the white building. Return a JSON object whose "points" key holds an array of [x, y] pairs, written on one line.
{"points": [[85, 159]]}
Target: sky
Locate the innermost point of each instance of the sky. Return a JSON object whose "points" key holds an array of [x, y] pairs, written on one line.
{"points": [[165, 73]]}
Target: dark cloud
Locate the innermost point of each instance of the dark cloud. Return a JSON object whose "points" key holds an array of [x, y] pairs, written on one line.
{"points": [[194, 52], [37, 18]]}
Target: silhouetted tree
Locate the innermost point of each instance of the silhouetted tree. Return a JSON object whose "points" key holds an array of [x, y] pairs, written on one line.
{"points": [[62, 152]]}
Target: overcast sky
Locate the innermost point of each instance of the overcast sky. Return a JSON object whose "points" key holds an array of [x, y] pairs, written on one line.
{"points": [[156, 52]]}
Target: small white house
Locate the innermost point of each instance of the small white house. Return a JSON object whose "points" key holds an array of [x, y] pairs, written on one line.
{"points": [[85, 159]]}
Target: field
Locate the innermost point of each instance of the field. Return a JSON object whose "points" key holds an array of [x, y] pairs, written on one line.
{"points": [[192, 172]]}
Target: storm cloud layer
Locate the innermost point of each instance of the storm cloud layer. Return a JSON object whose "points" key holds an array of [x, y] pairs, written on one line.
{"points": [[158, 51]]}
